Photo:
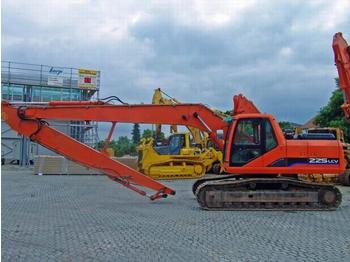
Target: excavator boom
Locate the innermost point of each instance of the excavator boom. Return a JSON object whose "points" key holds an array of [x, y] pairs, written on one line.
{"points": [[341, 51], [181, 114], [158, 99], [28, 120], [242, 105]]}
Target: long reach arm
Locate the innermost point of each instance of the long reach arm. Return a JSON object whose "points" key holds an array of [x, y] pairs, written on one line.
{"points": [[342, 60], [29, 120]]}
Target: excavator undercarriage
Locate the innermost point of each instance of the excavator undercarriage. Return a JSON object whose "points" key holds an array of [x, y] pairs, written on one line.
{"points": [[269, 193]]}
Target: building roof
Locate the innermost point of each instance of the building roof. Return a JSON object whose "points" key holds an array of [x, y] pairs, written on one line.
{"points": [[310, 124]]}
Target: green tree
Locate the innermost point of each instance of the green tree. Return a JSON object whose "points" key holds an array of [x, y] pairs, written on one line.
{"points": [[286, 125], [160, 137], [332, 115], [133, 150], [149, 133], [136, 135], [113, 144], [122, 146], [99, 145]]}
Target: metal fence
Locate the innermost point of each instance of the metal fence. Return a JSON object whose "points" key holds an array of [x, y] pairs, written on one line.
{"points": [[42, 75]]}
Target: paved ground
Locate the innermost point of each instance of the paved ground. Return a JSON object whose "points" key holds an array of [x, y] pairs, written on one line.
{"points": [[86, 218]]}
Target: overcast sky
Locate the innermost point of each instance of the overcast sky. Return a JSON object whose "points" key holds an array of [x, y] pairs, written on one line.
{"points": [[277, 53]]}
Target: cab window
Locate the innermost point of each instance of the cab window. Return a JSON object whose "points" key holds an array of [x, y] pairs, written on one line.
{"points": [[270, 142], [252, 138], [176, 143], [248, 133], [247, 141]]}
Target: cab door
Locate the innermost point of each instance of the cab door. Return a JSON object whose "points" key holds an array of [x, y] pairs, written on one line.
{"points": [[248, 142]]}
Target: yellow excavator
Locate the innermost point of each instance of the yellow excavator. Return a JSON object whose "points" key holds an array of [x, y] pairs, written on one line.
{"points": [[199, 137], [182, 155]]}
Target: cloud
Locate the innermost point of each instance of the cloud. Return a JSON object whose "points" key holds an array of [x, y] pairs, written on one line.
{"points": [[286, 51], [278, 53]]}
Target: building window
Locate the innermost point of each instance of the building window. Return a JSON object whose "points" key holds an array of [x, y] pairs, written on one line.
{"points": [[51, 94], [66, 94], [36, 94], [5, 92], [17, 92], [76, 95], [56, 94]]}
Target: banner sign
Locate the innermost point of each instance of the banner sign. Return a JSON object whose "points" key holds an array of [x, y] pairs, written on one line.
{"points": [[87, 79], [55, 77], [55, 71], [53, 80]]}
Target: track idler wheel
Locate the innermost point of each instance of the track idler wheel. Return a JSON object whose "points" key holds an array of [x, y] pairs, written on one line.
{"points": [[197, 184], [330, 197]]}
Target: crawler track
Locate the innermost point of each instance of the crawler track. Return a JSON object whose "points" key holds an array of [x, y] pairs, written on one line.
{"points": [[235, 193]]}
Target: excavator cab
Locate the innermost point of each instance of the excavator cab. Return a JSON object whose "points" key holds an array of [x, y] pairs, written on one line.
{"points": [[255, 144], [174, 145], [177, 144], [252, 138]]}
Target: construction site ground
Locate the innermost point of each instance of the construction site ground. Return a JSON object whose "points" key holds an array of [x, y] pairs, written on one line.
{"points": [[91, 218]]}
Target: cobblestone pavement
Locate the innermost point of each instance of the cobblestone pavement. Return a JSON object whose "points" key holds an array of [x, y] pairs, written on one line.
{"points": [[91, 218]]}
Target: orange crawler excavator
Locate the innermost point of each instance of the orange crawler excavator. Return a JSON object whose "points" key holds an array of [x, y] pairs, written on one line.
{"points": [[262, 163], [255, 149]]}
